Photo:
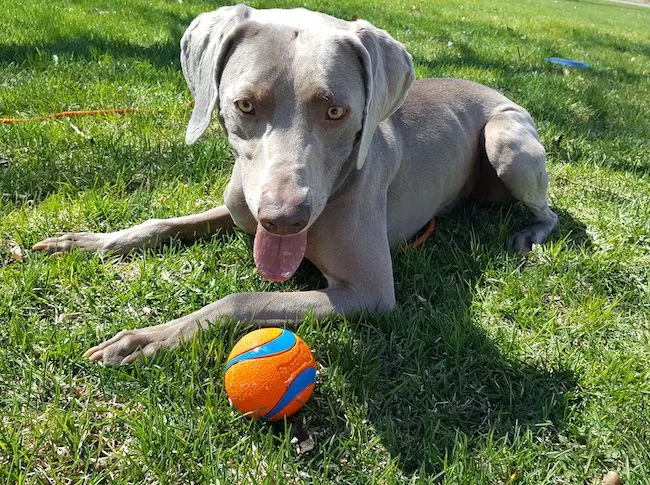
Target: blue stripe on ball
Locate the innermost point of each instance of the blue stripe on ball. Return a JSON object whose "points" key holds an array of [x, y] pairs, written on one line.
{"points": [[304, 379], [279, 344]]}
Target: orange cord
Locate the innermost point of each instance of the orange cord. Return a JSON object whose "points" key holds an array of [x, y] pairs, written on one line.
{"points": [[425, 235], [67, 114]]}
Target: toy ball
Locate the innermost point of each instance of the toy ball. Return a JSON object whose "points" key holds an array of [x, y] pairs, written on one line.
{"points": [[270, 374]]}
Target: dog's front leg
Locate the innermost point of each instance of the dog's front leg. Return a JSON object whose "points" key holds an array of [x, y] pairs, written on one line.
{"points": [[271, 309], [149, 234]]}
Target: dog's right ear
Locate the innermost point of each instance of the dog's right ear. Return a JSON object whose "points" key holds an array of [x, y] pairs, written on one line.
{"points": [[204, 47]]}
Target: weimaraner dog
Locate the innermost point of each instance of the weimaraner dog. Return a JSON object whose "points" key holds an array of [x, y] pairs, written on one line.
{"points": [[340, 156]]}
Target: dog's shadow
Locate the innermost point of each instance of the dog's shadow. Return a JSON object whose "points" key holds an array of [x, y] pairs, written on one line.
{"points": [[434, 376]]}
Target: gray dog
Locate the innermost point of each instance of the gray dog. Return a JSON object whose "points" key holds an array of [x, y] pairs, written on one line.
{"points": [[340, 156]]}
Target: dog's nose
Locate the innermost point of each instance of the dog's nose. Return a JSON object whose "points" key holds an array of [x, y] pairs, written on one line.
{"points": [[285, 221]]}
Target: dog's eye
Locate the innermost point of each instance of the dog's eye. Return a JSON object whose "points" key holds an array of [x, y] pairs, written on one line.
{"points": [[336, 112], [245, 106]]}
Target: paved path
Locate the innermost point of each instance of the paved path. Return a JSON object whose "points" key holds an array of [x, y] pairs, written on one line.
{"points": [[640, 3]]}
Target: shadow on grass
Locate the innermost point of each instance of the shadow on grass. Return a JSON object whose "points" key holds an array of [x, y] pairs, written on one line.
{"points": [[77, 166], [571, 230], [603, 40], [429, 376], [56, 165], [86, 43], [515, 75]]}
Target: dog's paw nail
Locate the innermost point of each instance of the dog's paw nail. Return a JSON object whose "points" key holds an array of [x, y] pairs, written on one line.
{"points": [[95, 356], [130, 359], [90, 351]]}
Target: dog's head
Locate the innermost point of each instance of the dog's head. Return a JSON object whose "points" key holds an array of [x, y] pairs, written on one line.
{"points": [[300, 95]]}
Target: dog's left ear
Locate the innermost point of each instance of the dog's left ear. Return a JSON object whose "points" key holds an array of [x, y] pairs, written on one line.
{"points": [[388, 75]]}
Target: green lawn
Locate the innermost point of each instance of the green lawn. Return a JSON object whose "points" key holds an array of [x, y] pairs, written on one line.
{"points": [[493, 369]]}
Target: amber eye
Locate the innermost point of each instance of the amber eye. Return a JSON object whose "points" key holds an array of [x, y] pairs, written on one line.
{"points": [[245, 106], [336, 112]]}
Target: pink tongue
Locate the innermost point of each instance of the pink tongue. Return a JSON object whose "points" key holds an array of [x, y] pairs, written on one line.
{"points": [[277, 257]]}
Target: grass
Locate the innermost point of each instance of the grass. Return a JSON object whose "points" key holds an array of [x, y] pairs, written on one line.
{"points": [[493, 369]]}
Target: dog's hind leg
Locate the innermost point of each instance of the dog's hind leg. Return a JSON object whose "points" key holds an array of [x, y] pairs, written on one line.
{"points": [[513, 149]]}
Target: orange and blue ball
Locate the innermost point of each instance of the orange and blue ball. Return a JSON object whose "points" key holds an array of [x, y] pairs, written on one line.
{"points": [[270, 374]]}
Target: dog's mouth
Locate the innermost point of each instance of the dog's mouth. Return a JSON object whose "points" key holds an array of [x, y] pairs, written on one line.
{"points": [[277, 257]]}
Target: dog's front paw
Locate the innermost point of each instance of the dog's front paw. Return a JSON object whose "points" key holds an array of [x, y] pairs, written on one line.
{"points": [[130, 345], [64, 242]]}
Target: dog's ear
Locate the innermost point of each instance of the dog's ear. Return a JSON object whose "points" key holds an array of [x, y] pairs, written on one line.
{"points": [[388, 75], [204, 47]]}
